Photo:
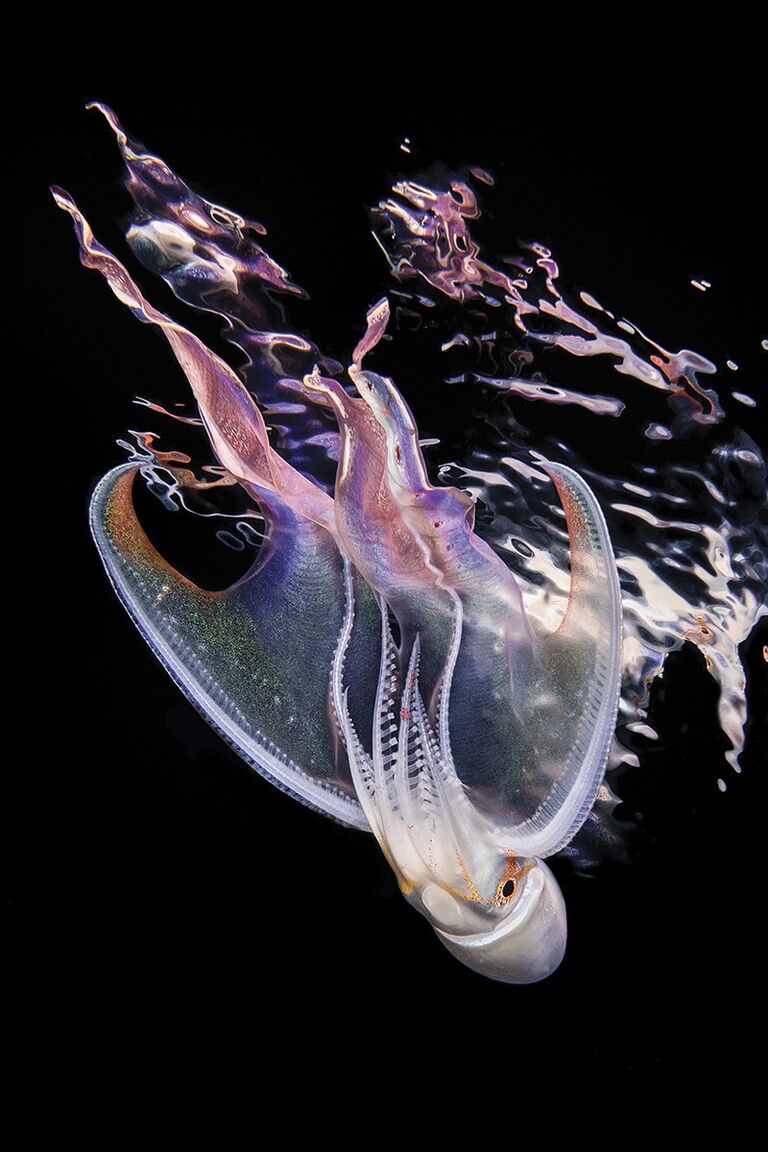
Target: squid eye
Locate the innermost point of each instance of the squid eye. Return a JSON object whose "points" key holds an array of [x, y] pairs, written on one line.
{"points": [[509, 889]]}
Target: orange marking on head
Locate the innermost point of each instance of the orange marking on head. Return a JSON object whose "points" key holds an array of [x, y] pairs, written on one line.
{"points": [[515, 871]]}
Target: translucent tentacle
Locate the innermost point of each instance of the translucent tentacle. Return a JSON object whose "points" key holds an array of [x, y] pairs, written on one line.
{"points": [[574, 703]]}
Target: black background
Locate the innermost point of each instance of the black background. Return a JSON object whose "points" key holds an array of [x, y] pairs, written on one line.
{"points": [[185, 938]]}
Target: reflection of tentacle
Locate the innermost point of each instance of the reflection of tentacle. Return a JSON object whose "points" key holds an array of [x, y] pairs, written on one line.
{"points": [[232, 419], [209, 257]]}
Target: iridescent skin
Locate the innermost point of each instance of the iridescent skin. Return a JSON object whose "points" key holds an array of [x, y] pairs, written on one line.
{"points": [[475, 747]]}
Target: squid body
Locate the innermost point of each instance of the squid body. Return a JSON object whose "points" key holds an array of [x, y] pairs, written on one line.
{"points": [[377, 662]]}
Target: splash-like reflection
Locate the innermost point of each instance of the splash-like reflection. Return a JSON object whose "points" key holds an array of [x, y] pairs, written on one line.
{"points": [[687, 520], [434, 637]]}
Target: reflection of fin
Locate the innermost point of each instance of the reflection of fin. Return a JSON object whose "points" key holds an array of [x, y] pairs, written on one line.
{"points": [[574, 703], [254, 659]]}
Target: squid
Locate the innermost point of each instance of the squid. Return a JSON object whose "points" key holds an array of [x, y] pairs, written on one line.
{"points": [[434, 712]]}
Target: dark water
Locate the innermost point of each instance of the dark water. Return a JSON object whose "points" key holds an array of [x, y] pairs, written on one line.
{"points": [[181, 927]]}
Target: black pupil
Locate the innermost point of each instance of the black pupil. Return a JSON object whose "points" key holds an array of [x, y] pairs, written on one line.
{"points": [[508, 889]]}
